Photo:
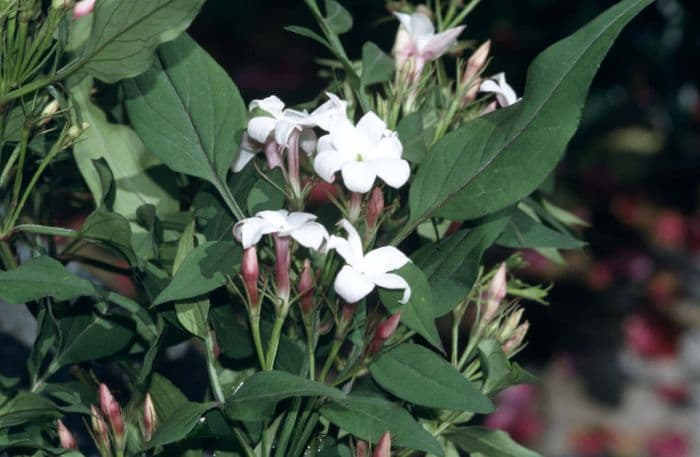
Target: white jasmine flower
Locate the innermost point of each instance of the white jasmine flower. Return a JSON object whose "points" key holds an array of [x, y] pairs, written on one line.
{"points": [[363, 272], [361, 153], [281, 123], [417, 43], [497, 85], [299, 226]]}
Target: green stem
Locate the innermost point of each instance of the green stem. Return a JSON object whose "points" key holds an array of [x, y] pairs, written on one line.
{"points": [[287, 428], [46, 230], [8, 259], [257, 340], [249, 452], [337, 343], [275, 339], [229, 199], [17, 188], [298, 449], [213, 376], [311, 351]]}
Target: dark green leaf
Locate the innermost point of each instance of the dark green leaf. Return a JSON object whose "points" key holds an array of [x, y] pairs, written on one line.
{"points": [[264, 196], [90, 337], [377, 67], [256, 398], [111, 229], [192, 314], [416, 374], [500, 373], [452, 264], [42, 277], [179, 424], [418, 314], [497, 159], [202, 271], [27, 407], [337, 17], [368, 418], [45, 340], [522, 231], [491, 443], [188, 111], [125, 33], [412, 136]]}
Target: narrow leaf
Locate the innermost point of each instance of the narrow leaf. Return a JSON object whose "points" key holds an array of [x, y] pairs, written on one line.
{"points": [[42, 277]]}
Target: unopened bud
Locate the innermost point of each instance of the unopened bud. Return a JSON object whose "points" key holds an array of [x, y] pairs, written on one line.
{"points": [[495, 293], [517, 339], [112, 411], [361, 449], [65, 436], [150, 419], [306, 288], [99, 428], [375, 208], [83, 8], [354, 207], [383, 448], [283, 263], [490, 108], [250, 271], [383, 332], [273, 155], [74, 132], [49, 110], [476, 62], [511, 324]]}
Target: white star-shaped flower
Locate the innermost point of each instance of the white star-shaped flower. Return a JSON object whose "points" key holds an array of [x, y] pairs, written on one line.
{"points": [[497, 85], [299, 226], [362, 153], [363, 272], [417, 42]]}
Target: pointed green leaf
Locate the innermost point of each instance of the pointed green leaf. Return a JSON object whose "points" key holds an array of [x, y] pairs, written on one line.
{"points": [[497, 159], [125, 34], [522, 231], [90, 337], [179, 424], [42, 277], [414, 373], [377, 67], [491, 443], [337, 17]]}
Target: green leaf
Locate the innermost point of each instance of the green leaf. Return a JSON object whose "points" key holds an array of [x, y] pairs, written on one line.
{"points": [[192, 315], [308, 33], [135, 170], [179, 424], [452, 264], [27, 407], [110, 229], [256, 398], [337, 17], [264, 196], [497, 159], [416, 374], [491, 443], [500, 373], [412, 136], [188, 112], [44, 342], [42, 277], [523, 231], [368, 418], [90, 337], [125, 34], [418, 314], [377, 67], [203, 270]]}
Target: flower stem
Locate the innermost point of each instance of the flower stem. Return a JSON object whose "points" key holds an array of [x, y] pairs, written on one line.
{"points": [[311, 351], [335, 348], [257, 340], [275, 339], [213, 376]]}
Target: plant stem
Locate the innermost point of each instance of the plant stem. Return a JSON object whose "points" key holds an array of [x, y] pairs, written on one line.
{"points": [[8, 259], [213, 376], [46, 230], [229, 199], [275, 338], [298, 449], [287, 428], [311, 351], [249, 452], [335, 348], [257, 340]]}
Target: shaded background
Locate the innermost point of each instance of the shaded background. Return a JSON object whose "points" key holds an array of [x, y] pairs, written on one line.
{"points": [[619, 349]]}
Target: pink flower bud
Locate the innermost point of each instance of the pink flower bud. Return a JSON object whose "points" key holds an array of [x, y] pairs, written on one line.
{"points": [[99, 428], [383, 448], [83, 8], [375, 208], [354, 207], [515, 341], [65, 436], [283, 263], [495, 293], [383, 332], [112, 411], [361, 449], [306, 288], [250, 271], [273, 155], [477, 61], [150, 419]]}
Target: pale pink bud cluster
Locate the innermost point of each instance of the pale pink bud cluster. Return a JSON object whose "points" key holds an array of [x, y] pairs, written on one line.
{"points": [[99, 429], [65, 437], [495, 293], [375, 208], [383, 448], [383, 332], [112, 412], [250, 271], [283, 263], [474, 67]]}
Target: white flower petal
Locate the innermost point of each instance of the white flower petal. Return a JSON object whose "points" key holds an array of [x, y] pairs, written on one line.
{"points": [[277, 219], [393, 281], [244, 156], [351, 285], [261, 127], [283, 130], [349, 249], [421, 25], [326, 115], [437, 45], [307, 141], [271, 104], [383, 260], [389, 147], [297, 219], [372, 127], [310, 235], [249, 231], [328, 162], [358, 176], [405, 20], [394, 172], [325, 144]]}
